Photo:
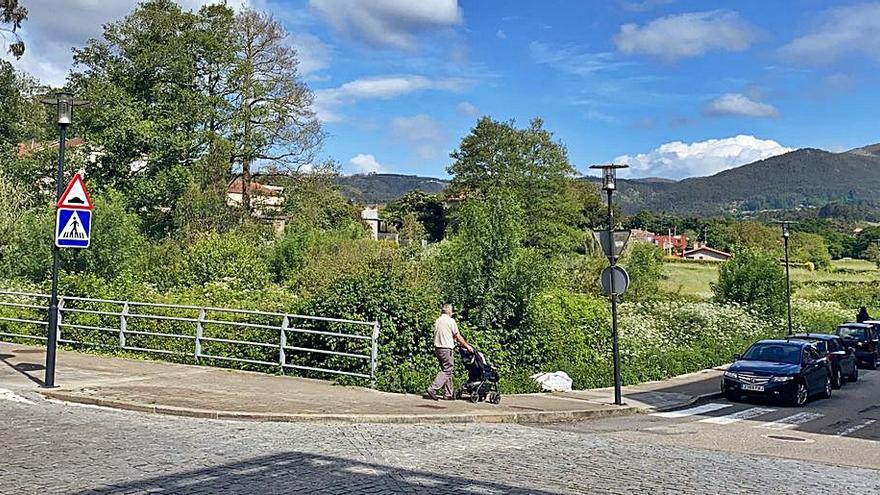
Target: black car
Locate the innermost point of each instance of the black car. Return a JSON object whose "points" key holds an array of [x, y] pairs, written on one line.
{"points": [[863, 337], [788, 370], [844, 365]]}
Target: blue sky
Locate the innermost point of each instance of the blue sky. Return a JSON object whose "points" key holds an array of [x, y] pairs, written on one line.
{"points": [[675, 88]]}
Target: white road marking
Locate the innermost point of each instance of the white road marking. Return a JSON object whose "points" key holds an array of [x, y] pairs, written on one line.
{"points": [[738, 416], [692, 411], [9, 395], [791, 421], [854, 428]]}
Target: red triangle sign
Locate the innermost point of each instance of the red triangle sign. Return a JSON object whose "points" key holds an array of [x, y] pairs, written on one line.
{"points": [[76, 196]]}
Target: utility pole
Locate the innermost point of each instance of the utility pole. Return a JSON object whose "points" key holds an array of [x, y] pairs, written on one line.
{"points": [[786, 234]]}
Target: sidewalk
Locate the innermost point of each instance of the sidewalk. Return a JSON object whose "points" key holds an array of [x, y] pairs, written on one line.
{"points": [[204, 392]]}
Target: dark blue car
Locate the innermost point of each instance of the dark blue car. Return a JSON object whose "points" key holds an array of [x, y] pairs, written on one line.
{"points": [[790, 371]]}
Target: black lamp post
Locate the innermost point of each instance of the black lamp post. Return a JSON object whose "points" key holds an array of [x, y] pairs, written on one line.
{"points": [[64, 103], [786, 234], [609, 185]]}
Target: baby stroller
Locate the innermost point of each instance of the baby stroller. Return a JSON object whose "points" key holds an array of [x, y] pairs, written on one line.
{"points": [[482, 379]]}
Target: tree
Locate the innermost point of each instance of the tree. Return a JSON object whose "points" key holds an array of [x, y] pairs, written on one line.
{"points": [[271, 119], [873, 253], [727, 236], [427, 208], [752, 277], [810, 248], [152, 115], [644, 263], [12, 14], [526, 164]]}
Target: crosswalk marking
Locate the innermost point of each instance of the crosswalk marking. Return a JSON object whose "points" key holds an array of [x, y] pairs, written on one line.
{"points": [[738, 416], [9, 395], [692, 411], [791, 421], [849, 430]]}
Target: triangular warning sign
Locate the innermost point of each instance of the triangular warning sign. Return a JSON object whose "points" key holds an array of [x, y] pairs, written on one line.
{"points": [[74, 229], [76, 196]]}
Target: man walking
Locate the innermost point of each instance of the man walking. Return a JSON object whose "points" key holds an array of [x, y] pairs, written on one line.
{"points": [[446, 334]]}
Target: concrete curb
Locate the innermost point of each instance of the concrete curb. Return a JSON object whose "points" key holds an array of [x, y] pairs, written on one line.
{"points": [[489, 417]]}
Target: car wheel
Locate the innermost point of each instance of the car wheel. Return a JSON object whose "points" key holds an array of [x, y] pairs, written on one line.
{"points": [[837, 379], [827, 392], [873, 364], [801, 395], [854, 376]]}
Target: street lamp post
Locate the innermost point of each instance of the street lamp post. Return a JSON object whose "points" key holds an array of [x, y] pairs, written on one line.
{"points": [[786, 234], [609, 184], [64, 103]]}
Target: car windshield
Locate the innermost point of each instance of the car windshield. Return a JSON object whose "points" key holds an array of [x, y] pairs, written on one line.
{"points": [[851, 332], [777, 353]]}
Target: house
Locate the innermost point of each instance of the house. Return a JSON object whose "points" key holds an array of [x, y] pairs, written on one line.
{"points": [[705, 253], [380, 230], [265, 200], [672, 245], [642, 236]]}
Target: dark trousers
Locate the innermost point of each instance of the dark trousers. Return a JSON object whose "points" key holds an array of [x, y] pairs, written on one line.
{"points": [[443, 383]]}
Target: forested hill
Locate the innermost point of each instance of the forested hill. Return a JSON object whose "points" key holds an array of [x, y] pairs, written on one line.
{"points": [[383, 188], [802, 177]]}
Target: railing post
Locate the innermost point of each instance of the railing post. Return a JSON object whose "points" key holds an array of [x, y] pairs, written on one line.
{"points": [[199, 330], [374, 354], [282, 356], [58, 326], [123, 325]]}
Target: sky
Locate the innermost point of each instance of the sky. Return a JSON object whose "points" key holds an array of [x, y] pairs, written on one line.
{"points": [[673, 88]]}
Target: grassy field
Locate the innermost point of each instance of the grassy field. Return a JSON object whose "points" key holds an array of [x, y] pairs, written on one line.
{"points": [[693, 279]]}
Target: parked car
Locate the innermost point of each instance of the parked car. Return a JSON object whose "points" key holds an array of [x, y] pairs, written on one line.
{"points": [[788, 370], [844, 364], [865, 338]]}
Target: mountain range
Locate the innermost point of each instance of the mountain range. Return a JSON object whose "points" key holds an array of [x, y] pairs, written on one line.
{"points": [[805, 177]]}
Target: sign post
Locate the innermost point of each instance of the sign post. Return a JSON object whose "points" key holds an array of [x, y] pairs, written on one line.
{"points": [[73, 229]]}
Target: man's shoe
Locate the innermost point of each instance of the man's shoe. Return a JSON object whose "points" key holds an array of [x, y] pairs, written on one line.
{"points": [[432, 395]]}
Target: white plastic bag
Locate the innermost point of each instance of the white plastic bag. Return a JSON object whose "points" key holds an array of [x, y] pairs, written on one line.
{"points": [[558, 381]]}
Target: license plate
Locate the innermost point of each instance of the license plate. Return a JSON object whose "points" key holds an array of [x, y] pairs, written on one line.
{"points": [[753, 388]]}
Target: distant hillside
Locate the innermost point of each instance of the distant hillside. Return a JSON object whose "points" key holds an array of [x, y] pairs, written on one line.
{"points": [[383, 188], [802, 177]]}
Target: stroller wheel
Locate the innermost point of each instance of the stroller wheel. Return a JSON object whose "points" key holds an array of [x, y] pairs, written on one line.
{"points": [[475, 397], [495, 398]]}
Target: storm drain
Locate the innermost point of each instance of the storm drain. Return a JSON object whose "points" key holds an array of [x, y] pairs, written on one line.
{"points": [[786, 438]]}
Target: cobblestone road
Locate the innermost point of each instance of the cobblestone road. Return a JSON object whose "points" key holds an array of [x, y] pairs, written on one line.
{"points": [[55, 448]]}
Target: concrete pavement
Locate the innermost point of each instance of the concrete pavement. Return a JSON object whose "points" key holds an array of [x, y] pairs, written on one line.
{"points": [[205, 392]]}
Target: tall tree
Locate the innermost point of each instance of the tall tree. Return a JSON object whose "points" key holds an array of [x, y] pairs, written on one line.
{"points": [[271, 116], [528, 165], [12, 14]]}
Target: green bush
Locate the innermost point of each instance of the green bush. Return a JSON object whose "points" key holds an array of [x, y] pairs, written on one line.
{"points": [[752, 277], [644, 263]]}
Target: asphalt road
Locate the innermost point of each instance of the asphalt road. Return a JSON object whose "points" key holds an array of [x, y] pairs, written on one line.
{"points": [[48, 447], [842, 430]]}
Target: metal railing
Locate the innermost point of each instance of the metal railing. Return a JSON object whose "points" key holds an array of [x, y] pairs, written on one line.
{"points": [[284, 341]]}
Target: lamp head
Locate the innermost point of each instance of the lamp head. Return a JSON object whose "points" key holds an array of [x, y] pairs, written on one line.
{"points": [[609, 175]]}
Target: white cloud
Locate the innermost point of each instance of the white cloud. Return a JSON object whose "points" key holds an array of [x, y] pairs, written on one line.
{"points": [[50, 36], [844, 31], [573, 59], [376, 88], [313, 54], [501, 35], [680, 36], [677, 160], [424, 133], [365, 164], [467, 109], [740, 105], [388, 22]]}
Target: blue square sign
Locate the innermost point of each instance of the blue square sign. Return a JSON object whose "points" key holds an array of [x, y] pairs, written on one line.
{"points": [[73, 228]]}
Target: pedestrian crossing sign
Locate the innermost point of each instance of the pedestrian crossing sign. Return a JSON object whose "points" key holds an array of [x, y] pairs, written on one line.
{"points": [[73, 228]]}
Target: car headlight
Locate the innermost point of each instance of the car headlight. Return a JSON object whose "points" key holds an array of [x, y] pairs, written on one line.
{"points": [[730, 374], [781, 379]]}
